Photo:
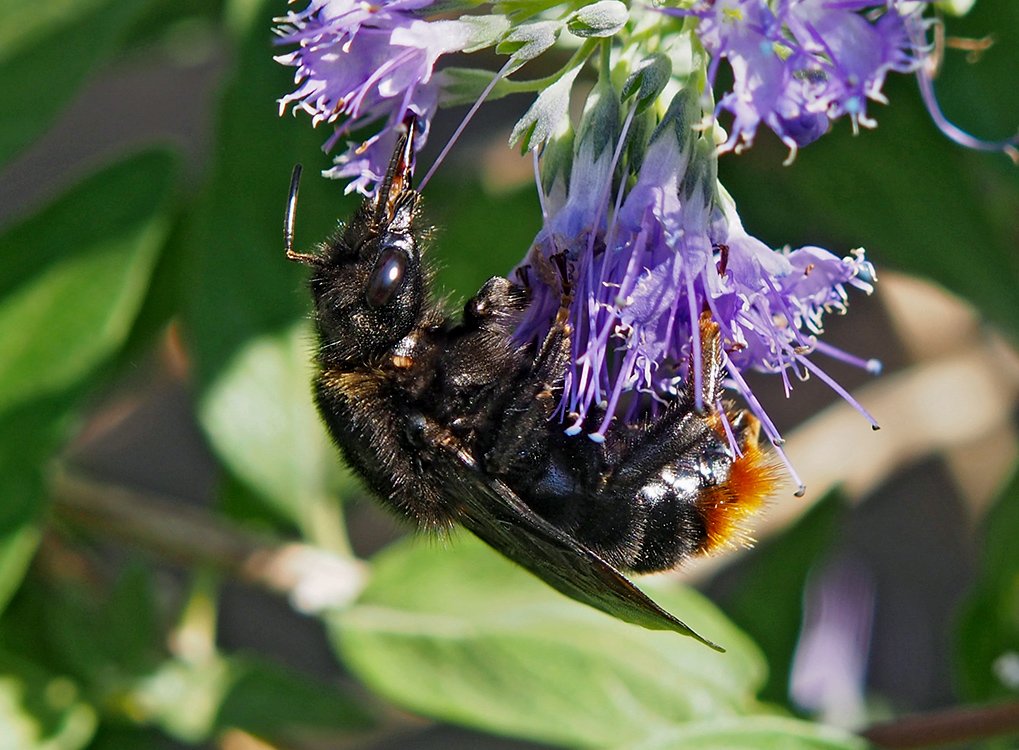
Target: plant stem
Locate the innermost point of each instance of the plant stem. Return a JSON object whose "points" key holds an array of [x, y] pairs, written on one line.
{"points": [[945, 727], [313, 578]]}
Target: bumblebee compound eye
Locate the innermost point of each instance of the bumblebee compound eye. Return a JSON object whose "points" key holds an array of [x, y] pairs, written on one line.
{"points": [[386, 277]]}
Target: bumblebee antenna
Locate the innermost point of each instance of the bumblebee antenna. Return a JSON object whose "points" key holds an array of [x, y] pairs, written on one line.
{"points": [[289, 215]]}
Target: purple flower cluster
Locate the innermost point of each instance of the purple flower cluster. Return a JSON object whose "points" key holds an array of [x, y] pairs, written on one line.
{"points": [[797, 65], [360, 62], [642, 272]]}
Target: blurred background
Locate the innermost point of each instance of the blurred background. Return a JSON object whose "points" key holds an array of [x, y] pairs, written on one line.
{"points": [[183, 562]]}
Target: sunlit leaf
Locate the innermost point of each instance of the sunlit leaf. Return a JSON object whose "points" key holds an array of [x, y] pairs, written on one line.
{"points": [[752, 733], [260, 417], [463, 635], [73, 277]]}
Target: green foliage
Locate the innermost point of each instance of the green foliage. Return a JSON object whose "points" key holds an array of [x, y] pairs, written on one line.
{"points": [[498, 650], [988, 634], [94, 651], [71, 286]]}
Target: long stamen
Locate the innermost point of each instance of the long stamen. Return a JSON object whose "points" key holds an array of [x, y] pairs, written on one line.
{"points": [[839, 390], [463, 123], [925, 79], [873, 366]]}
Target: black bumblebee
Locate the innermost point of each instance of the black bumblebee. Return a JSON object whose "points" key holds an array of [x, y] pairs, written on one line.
{"points": [[449, 421]]}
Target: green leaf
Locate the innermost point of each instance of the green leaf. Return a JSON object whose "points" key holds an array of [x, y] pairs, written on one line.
{"points": [[241, 284], [648, 80], [39, 710], [752, 733], [956, 7], [193, 701], [462, 85], [244, 297], [260, 417], [101, 641], [987, 647], [267, 700], [465, 636], [29, 434], [182, 697], [466, 215], [767, 602], [41, 69], [483, 31], [17, 547], [111, 736], [73, 277]]}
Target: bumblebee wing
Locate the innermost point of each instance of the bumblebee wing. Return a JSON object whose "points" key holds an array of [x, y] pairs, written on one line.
{"points": [[496, 514]]}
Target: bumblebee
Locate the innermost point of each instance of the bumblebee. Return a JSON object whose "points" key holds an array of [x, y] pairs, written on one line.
{"points": [[449, 420]]}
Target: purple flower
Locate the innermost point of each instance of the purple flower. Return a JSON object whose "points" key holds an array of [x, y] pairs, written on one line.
{"points": [[829, 668], [806, 63], [641, 275], [358, 63]]}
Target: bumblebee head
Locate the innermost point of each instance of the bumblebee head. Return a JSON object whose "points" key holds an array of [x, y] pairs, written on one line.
{"points": [[368, 281]]}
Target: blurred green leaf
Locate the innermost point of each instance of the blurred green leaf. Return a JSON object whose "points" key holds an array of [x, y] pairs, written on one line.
{"points": [[73, 277], [105, 641], [913, 198], [193, 701], [111, 736], [987, 648], [39, 710], [767, 601], [465, 636], [41, 69], [18, 543], [181, 697], [259, 408], [753, 733], [114, 645], [17, 546], [185, 28], [478, 233], [241, 284], [244, 297], [270, 701], [29, 434]]}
